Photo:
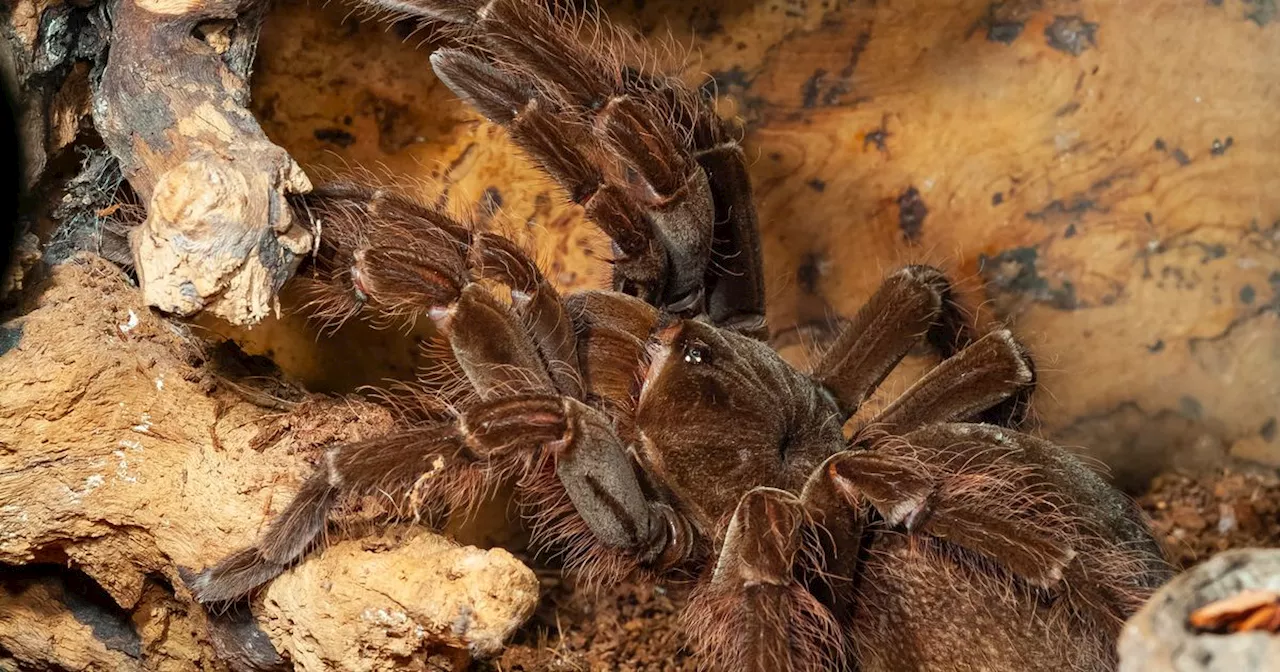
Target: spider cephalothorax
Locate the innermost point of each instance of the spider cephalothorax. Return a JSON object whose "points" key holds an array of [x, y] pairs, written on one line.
{"points": [[648, 430]]}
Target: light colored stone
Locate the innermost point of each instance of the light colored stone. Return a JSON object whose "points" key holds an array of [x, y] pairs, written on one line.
{"points": [[392, 603], [1158, 639]]}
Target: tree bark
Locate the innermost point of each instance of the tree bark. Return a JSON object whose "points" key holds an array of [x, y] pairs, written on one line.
{"points": [[165, 84]]}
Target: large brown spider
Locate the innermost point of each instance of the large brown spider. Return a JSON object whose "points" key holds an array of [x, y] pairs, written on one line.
{"points": [[649, 431]]}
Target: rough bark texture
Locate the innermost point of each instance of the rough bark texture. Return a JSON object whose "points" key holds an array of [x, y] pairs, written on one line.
{"points": [[43, 624], [48, 53], [17, 274], [1098, 174], [219, 235], [167, 82], [127, 453], [1158, 638]]}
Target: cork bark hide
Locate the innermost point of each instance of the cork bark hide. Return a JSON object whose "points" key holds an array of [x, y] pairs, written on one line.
{"points": [[1101, 176], [166, 83], [128, 453]]}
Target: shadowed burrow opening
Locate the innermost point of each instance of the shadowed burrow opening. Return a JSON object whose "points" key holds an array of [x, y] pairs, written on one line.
{"points": [[39, 588]]}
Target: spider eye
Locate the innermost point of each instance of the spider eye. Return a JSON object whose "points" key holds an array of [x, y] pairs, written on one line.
{"points": [[697, 353]]}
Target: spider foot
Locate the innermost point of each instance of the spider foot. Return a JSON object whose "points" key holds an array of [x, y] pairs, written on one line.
{"points": [[420, 470]]}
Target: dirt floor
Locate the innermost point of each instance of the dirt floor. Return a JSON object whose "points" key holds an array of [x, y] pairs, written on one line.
{"points": [[1197, 517], [634, 628]]}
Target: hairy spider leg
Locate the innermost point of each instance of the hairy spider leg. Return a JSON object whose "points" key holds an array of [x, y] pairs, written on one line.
{"points": [[1016, 512], [527, 420], [912, 305], [650, 160]]}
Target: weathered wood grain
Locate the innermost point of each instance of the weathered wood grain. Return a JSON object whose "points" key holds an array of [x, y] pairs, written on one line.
{"points": [[132, 455], [1103, 176]]}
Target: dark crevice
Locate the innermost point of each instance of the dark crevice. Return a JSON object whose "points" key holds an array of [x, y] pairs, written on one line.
{"points": [[87, 601]]}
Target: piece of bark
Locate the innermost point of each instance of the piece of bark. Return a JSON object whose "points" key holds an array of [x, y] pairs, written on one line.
{"points": [[408, 600], [219, 234], [51, 49], [44, 627], [15, 270]]}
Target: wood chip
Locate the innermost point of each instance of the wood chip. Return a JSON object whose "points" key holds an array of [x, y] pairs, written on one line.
{"points": [[1244, 611], [1265, 618]]}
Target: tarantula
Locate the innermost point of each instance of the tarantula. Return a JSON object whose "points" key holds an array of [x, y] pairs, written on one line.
{"points": [[650, 430]]}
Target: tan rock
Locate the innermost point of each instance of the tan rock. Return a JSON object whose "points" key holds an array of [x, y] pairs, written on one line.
{"points": [[386, 604]]}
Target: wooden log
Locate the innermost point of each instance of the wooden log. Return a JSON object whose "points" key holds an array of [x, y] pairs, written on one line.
{"points": [[129, 452]]}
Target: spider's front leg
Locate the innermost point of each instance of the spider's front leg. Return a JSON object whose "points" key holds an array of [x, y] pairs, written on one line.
{"points": [[592, 467], [522, 416], [576, 480], [988, 379], [429, 466], [649, 159], [447, 466]]}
